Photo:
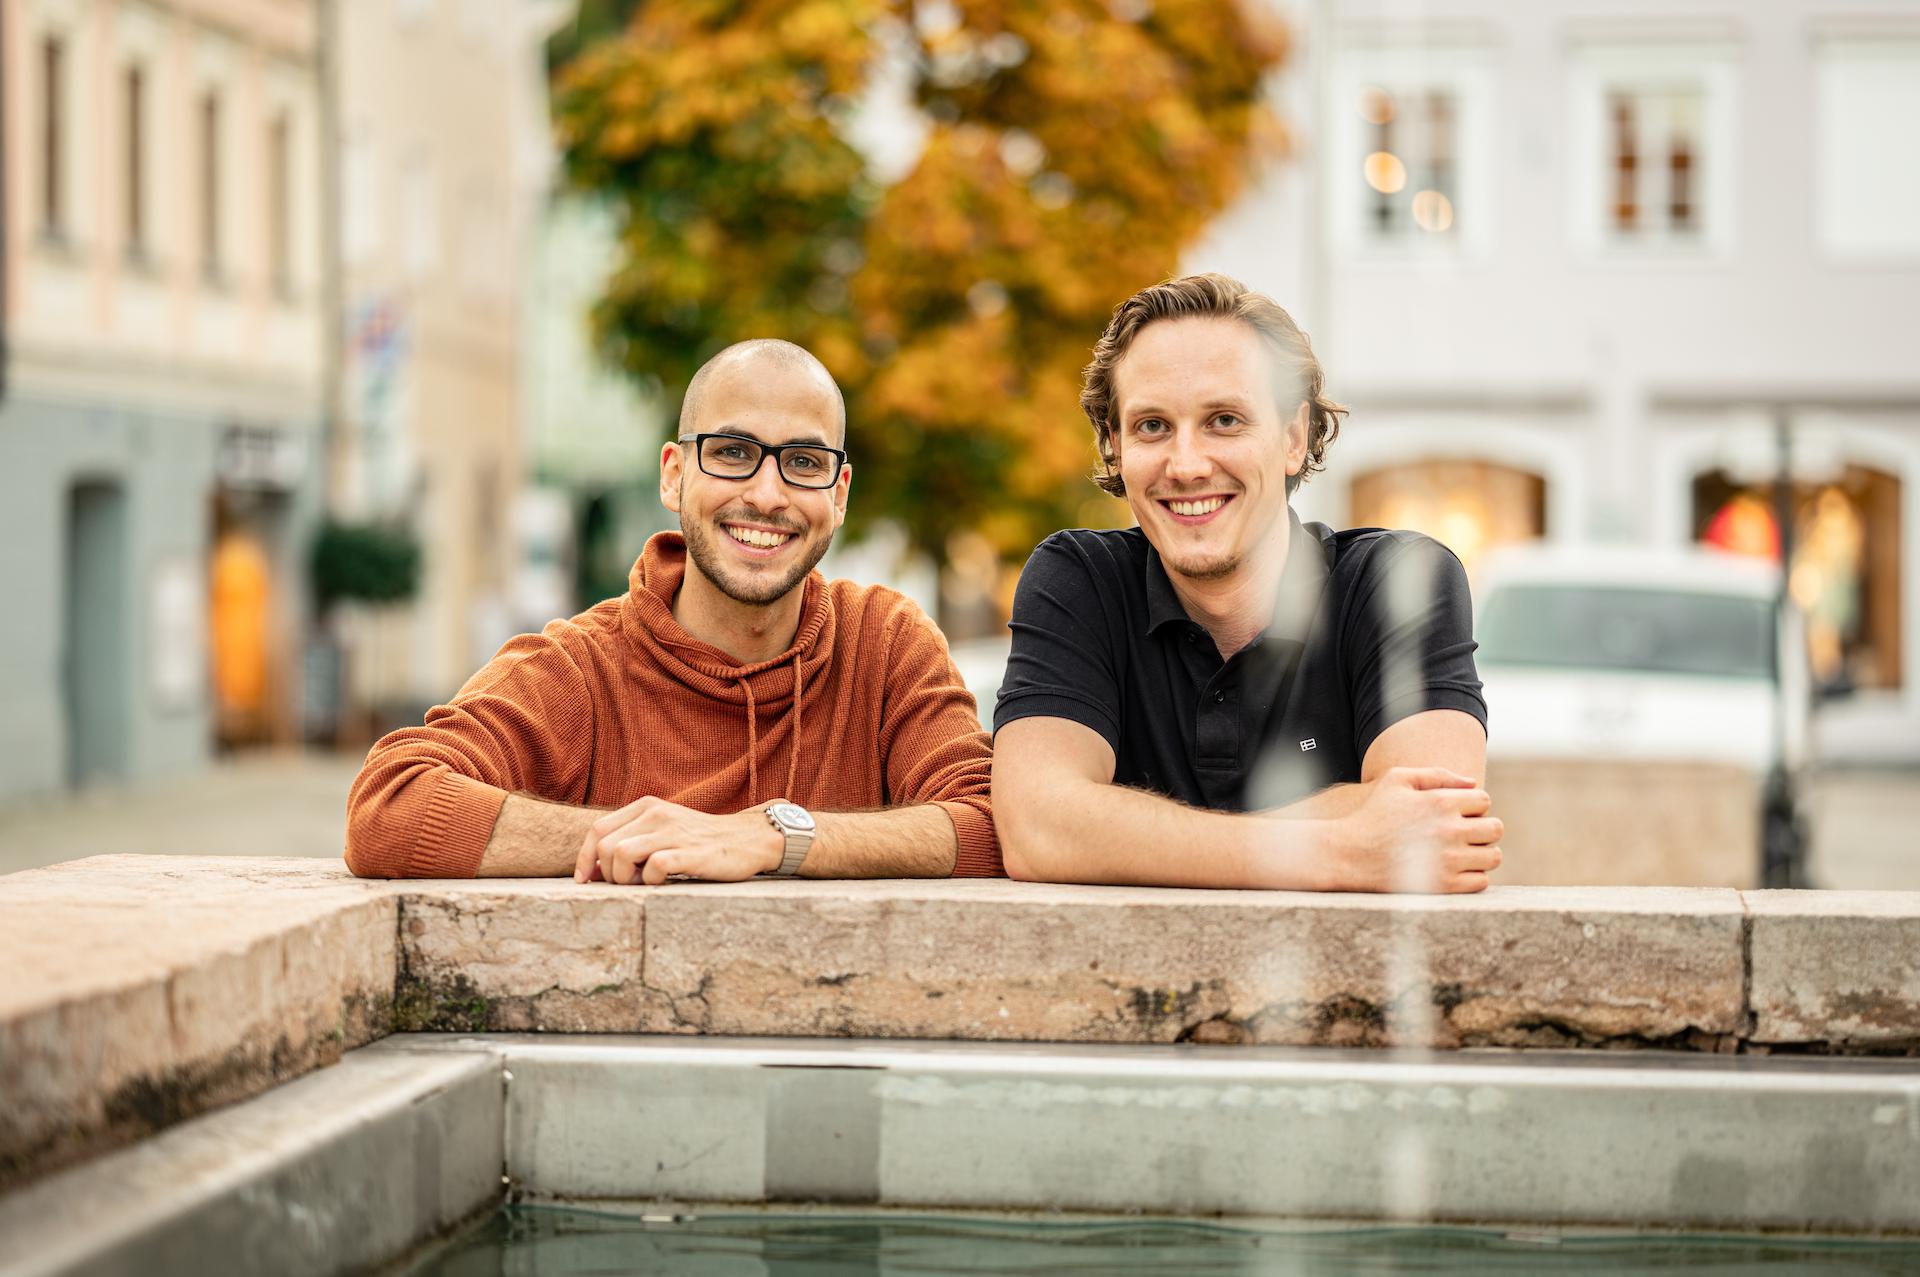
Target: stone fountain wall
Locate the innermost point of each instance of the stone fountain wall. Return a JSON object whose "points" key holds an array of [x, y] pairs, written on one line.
{"points": [[140, 990]]}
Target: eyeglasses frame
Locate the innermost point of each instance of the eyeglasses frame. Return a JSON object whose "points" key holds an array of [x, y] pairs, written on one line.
{"points": [[775, 450]]}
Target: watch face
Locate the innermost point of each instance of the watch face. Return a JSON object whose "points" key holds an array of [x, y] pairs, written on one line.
{"points": [[792, 815]]}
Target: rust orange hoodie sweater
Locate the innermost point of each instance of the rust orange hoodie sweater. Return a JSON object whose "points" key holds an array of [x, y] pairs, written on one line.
{"points": [[864, 710]]}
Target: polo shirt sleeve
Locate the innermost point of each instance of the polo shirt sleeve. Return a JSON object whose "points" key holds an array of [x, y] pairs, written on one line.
{"points": [[1411, 649], [1063, 663]]}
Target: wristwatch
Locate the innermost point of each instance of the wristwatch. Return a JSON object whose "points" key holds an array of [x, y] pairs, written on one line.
{"points": [[796, 823]]}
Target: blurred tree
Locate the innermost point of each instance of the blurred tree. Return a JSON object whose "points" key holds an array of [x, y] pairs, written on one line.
{"points": [[364, 562], [1072, 149]]}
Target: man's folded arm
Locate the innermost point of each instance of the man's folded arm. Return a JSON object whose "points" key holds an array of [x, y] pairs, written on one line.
{"points": [[429, 799], [1062, 819], [1423, 649], [1448, 738]]}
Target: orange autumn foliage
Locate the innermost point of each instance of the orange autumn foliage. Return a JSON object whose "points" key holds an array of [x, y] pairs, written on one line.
{"points": [[1072, 149]]}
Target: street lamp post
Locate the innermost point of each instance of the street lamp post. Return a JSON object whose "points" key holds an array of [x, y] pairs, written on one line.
{"points": [[1782, 834]]}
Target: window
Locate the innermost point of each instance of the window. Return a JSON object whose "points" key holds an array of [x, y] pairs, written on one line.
{"points": [[1410, 169], [1654, 140], [1867, 152], [1469, 505], [136, 166], [210, 186], [280, 203], [1847, 552], [1653, 145], [1410, 141], [53, 82]]}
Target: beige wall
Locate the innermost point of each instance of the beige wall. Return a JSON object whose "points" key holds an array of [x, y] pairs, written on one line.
{"points": [[82, 307], [431, 232]]}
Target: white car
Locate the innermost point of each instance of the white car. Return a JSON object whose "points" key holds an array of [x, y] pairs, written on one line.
{"points": [[1642, 655]]}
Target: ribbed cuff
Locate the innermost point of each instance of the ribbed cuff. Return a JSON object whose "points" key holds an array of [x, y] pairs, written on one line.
{"points": [[977, 847], [454, 831]]}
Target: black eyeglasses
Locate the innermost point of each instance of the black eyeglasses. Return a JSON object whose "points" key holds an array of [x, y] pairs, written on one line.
{"points": [[804, 465]]}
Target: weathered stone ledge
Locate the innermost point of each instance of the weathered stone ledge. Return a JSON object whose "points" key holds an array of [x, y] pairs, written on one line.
{"points": [[144, 989]]}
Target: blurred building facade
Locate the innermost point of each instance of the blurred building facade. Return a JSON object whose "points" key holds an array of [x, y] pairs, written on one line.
{"points": [[435, 137], [1577, 271], [593, 434], [161, 404]]}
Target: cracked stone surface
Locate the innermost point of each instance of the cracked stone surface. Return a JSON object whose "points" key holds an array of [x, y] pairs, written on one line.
{"points": [[1836, 968], [1013, 961], [536, 957], [143, 989]]}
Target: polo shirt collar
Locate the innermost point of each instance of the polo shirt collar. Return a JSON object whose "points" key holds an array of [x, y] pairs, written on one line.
{"points": [[1309, 554], [1163, 605]]}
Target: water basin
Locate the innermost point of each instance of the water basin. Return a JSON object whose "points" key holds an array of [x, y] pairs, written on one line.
{"points": [[537, 1241]]}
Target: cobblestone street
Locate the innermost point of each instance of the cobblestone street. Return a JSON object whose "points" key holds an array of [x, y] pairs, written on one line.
{"points": [[1866, 822], [264, 804], [1866, 829]]}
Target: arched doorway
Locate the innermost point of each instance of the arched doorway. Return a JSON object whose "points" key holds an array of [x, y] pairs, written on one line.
{"points": [[1846, 563], [1470, 506]]}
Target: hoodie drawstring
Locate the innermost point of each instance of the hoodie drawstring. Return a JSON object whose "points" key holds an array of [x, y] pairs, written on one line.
{"points": [[793, 761], [753, 746], [753, 737]]}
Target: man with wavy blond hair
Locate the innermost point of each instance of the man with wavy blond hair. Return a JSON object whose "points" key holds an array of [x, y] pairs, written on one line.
{"points": [[1224, 696]]}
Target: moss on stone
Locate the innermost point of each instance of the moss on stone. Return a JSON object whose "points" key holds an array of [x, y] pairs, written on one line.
{"points": [[440, 1004]]}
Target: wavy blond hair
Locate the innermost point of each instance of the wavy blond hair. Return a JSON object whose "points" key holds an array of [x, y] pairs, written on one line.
{"points": [[1297, 374]]}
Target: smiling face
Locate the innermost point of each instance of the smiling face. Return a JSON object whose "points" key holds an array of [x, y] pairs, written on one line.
{"points": [[1203, 447], [756, 539]]}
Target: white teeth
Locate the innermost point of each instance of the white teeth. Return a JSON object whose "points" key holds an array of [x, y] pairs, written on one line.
{"points": [[1197, 507], [754, 536]]}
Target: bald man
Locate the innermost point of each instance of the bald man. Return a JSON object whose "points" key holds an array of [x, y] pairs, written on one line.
{"points": [[734, 714]]}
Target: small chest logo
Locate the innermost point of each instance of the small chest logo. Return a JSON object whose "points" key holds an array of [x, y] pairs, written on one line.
{"points": [[1308, 744]]}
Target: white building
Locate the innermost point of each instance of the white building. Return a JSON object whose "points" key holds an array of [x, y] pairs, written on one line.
{"points": [[1571, 264]]}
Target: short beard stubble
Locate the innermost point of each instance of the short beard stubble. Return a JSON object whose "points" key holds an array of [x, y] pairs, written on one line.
{"points": [[1205, 569], [707, 557]]}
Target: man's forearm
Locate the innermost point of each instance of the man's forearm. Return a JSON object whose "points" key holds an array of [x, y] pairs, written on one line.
{"points": [[1087, 831], [1330, 803], [535, 839], [901, 842]]}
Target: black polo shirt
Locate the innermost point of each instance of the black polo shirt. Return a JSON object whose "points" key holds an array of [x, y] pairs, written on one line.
{"points": [[1371, 626]]}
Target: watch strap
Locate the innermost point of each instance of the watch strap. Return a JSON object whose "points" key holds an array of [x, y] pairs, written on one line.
{"points": [[798, 843]]}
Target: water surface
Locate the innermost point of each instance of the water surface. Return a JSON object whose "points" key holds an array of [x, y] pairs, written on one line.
{"points": [[537, 1241]]}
